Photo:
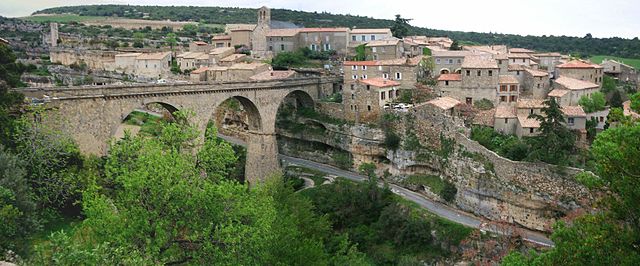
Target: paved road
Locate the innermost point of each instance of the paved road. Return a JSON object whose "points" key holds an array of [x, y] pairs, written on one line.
{"points": [[436, 208]]}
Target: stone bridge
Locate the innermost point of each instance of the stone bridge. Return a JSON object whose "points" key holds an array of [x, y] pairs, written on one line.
{"points": [[92, 115]]}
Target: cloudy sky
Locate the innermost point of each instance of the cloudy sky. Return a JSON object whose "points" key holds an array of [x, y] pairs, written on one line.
{"points": [[540, 17]]}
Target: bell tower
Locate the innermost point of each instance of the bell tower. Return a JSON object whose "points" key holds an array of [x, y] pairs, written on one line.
{"points": [[259, 36], [264, 16]]}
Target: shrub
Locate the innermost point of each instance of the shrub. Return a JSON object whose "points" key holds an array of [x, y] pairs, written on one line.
{"points": [[342, 160], [449, 191], [483, 104], [368, 169], [391, 140]]}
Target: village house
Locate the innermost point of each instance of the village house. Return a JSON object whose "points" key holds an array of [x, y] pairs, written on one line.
{"points": [[480, 75], [282, 40], [581, 70], [232, 59], [221, 40], [446, 104], [508, 89], [385, 49], [199, 75], [192, 60], [488, 49], [153, 65], [520, 51], [505, 120], [448, 62], [406, 71], [567, 91], [365, 100], [361, 36], [199, 46], [536, 84], [218, 54], [448, 84], [519, 59], [600, 117], [126, 63], [325, 39], [620, 71], [240, 34], [575, 118], [548, 61]]}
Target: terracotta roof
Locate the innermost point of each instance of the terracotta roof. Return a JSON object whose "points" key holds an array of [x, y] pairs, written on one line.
{"points": [[451, 53], [557, 93], [379, 82], [360, 63], [505, 111], [222, 50], [519, 56], [218, 68], [536, 73], [508, 79], [272, 75], [221, 37], [520, 50], [575, 84], [233, 57], [478, 62], [200, 43], [282, 32], [501, 57], [515, 67], [573, 111], [246, 66], [576, 64], [324, 29], [200, 70], [526, 122], [450, 77], [548, 55], [193, 55], [444, 103], [374, 31], [617, 62], [129, 55], [530, 104], [485, 117], [153, 56], [384, 42]]}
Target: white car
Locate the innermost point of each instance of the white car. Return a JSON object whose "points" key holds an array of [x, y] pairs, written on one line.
{"points": [[161, 81]]}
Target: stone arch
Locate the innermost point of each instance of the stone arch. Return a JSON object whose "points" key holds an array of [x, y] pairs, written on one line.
{"points": [[445, 71], [458, 71], [298, 98], [253, 113], [119, 126]]}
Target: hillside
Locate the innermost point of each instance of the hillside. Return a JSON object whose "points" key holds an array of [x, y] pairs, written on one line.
{"points": [[585, 47]]}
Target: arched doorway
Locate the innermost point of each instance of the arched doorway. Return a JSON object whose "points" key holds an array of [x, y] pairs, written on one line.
{"points": [[444, 71]]}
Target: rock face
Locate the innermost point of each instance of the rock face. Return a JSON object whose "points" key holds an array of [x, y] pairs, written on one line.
{"points": [[532, 195]]}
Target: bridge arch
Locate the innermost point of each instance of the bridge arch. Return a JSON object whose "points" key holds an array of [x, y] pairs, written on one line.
{"points": [[298, 98], [129, 121]]}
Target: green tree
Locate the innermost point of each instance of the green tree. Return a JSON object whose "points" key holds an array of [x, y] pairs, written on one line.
{"points": [[217, 158], [616, 99], [609, 84], [138, 41], [400, 27], [595, 102], [555, 141], [171, 40], [455, 46], [635, 102]]}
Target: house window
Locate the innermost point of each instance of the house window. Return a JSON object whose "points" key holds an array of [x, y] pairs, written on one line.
{"points": [[270, 48], [373, 37], [601, 119], [353, 38], [446, 83], [468, 73], [282, 47], [518, 72], [530, 111], [506, 120], [490, 73], [450, 61], [571, 120], [363, 38], [398, 75], [538, 85], [368, 87], [353, 96], [364, 76], [364, 67], [382, 95], [469, 100], [281, 38], [499, 62], [514, 88], [374, 50], [327, 47], [524, 60], [513, 98], [503, 87], [354, 67], [531, 130], [503, 99], [459, 61], [353, 87], [479, 73], [438, 61], [354, 77], [385, 76], [369, 108]]}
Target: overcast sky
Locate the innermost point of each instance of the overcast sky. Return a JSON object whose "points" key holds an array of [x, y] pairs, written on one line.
{"points": [[540, 17]]}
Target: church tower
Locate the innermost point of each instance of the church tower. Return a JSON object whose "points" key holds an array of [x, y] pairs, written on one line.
{"points": [[259, 36]]}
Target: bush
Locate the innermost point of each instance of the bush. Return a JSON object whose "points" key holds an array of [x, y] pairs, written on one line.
{"points": [[391, 140], [368, 169], [483, 104], [449, 191], [342, 160]]}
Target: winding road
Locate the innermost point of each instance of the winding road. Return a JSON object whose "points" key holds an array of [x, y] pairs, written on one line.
{"points": [[436, 208]]}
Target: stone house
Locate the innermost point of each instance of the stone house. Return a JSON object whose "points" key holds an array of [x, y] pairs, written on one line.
{"points": [[600, 117], [282, 40], [519, 59], [480, 77], [446, 104], [520, 51], [620, 71], [217, 54], [324, 39], [448, 84], [365, 99], [448, 62], [527, 127], [221, 40], [536, 84], [153, 65], [406, 71], [232, 59], [199, 75], [517, 71], [199, 46], [385, 49], [568, 91], [240, 34], [93, 59], [508, 89], [505, 120], [243, 71], [548, 61], [361, 36], [126, 63], [581, 70], [192, 60], [575, 118]]}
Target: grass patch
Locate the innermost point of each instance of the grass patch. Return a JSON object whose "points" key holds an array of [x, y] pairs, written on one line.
{"points": [[629, 61]]}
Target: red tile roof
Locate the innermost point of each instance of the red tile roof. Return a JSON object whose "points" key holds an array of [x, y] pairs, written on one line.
{"points": [[200, 70], [444, 103], [379, 82], [324, 29], [576, 64], [200, 43], [450, 77], [360, 63]]}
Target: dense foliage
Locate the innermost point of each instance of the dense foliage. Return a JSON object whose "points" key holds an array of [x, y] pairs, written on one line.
{"points": [[584, 46]]}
